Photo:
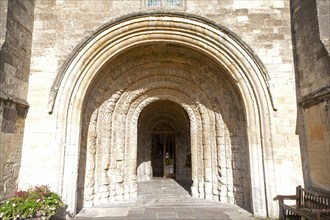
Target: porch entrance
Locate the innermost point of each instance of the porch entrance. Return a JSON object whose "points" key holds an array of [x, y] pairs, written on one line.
{"points": [[163, 142], [185, 71], [163, 155]]}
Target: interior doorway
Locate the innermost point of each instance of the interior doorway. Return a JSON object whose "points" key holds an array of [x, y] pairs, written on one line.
{"points": [[163, 155], [163, 142]]}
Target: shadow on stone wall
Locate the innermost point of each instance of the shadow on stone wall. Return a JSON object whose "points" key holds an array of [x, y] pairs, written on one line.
{"points": [[312, 68]]}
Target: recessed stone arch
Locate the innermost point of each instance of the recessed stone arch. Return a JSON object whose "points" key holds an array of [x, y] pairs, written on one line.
{"points": [[238, 93], [168, 120]]}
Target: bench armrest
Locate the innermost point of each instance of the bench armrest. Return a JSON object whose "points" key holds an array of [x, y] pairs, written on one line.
{"points": [[321, 210], [286, 197], [281, 205]]}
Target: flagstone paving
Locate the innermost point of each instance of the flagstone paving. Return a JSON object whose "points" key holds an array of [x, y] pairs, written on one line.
{"points": [[163, 198]]}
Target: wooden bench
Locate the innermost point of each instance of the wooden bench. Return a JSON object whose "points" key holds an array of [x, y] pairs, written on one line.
{"points": [[310, 204]]}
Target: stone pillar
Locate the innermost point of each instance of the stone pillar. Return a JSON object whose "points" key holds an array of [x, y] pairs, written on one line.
{"points": [[310, 27], [3, 20], [323, 15], [90, 162], [194, 159], [17, 18]]}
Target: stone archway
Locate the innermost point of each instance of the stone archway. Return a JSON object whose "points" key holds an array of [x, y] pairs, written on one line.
{"points": [[217, 81], [163, 127], [163, 83]]}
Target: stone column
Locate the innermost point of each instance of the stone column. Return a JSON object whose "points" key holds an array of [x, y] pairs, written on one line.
{"points": [[221, 155], [207, 162], [90, 161]]}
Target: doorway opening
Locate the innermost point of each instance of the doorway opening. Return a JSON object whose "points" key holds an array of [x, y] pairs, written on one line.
{"points": [[163, 155], [163, 142]]}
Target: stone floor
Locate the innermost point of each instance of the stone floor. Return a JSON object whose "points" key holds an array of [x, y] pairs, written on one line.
{"points": [[163, 198]]}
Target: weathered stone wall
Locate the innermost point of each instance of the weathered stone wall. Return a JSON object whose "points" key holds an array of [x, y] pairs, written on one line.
{"points": [[60, 26], [15, 41], [3, 20], [323, 16], [313, 92]]}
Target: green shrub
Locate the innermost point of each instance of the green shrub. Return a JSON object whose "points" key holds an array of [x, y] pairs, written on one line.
{"points": [[38, 201]]}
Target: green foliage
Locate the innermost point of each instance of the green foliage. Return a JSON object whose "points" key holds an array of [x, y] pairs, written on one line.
{"points": [[38, 201]]}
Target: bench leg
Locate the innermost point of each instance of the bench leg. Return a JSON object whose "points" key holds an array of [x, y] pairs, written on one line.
{"points": [[318, 217], [282, 215]]}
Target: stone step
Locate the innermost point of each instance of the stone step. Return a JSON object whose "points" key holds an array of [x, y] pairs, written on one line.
{"points": [[164, 199]]}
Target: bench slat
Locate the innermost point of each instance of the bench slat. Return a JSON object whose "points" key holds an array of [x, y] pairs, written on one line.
{"points": [[310, 204], [304, 212]]}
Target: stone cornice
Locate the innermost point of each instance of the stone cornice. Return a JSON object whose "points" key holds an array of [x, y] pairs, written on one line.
{"points": [[315, 98], [11, 98]]}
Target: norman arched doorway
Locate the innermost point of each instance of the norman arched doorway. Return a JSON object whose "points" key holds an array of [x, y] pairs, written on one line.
{"points": [[148, 94], [163, 142], [127, 67]]}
